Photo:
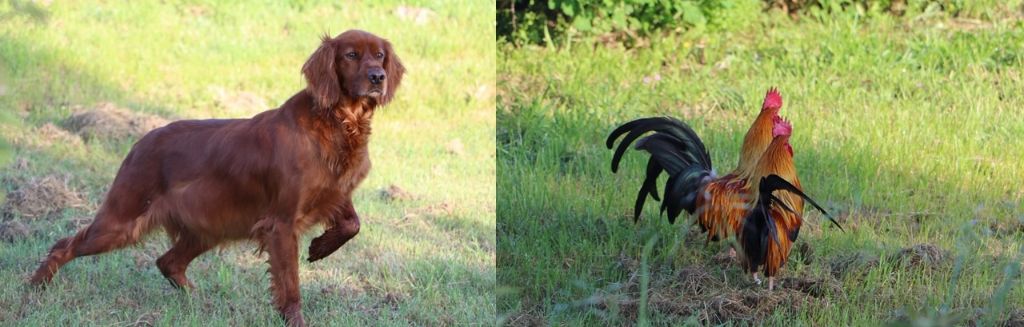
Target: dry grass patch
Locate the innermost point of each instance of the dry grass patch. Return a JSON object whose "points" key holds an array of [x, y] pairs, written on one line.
{"points": [[109, 121], [927, 255], [39, 197], [858, 262], [14, 230]]}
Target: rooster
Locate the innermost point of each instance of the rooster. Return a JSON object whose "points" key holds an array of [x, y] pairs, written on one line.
{"points": [[720, 202], [769, 229], [742, 202]]}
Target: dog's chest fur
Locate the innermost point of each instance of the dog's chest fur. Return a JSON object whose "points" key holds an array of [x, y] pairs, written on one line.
{"points": [[343, 158]]}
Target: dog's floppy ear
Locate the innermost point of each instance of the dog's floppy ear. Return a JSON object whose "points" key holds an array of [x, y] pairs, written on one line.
{"points": [[321, 77], [394, 70]]}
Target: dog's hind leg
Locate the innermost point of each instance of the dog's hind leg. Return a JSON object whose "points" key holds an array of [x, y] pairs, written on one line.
{"points": [[119, 222]]}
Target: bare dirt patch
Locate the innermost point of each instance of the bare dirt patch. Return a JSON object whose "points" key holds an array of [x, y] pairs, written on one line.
{"points": [[816, 287], [696, 291], [78, 222], [419, 16], [926, 255], [965, 316], [343, 290], [107, 120], [723, 259], [379, 300], [49, 134], [696, 280], [1016, 318], [859, 263], [240, 103], [882, 219], [754, 304], [12, 231], [1007, 228], [733, 305], [806, 253], [395, 193], [146, 319], [433, 210], [525, 318], [484, 92], [40, 197], [455, 148]]}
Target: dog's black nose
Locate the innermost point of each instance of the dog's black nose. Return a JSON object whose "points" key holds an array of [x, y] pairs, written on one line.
{"points": [[376, 75]]}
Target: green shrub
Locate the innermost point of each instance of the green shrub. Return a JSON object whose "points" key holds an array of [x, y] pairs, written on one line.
{"points": [[627, 21], [631, 22]]}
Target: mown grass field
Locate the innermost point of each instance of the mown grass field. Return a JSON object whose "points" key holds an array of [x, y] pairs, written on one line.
{"points": [[907, 129], [423, 259]]}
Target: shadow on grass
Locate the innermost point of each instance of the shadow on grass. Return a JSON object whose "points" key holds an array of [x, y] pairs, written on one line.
{"points": [[28, 9], [46, 89]]}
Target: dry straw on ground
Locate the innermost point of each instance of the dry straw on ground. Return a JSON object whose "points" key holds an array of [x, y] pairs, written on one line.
{"points": [[926, 255], [395, 193], [14, 230], [50, 134], [694, 291], [38, 197], [107, 120], [859, 263]]}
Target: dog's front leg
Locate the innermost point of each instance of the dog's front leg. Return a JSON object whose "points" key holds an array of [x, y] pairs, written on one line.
{"points": [[341, 228], [282, 244]]}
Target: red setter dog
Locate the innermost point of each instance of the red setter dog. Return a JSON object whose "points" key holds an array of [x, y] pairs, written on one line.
{"points": [[268, 178]]}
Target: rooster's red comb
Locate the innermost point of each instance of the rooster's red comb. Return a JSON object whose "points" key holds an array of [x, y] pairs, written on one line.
{"points": [[772, 100], [781, 127]]}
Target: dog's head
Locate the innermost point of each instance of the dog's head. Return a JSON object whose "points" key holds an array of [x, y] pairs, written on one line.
{"points": [[354, 65]]}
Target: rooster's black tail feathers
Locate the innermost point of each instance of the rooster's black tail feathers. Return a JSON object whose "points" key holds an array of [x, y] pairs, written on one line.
{"points": [[772, 183], [675, 148]]}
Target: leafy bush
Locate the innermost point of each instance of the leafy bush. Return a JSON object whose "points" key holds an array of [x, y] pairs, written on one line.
{"points": [[630, 22], [552, 21]]}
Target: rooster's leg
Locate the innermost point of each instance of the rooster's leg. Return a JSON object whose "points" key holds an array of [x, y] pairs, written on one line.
{"points": [[771, 283]]}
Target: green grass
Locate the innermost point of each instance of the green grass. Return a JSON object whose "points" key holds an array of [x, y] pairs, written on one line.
{"points": [[412, 264], [908, 129]]}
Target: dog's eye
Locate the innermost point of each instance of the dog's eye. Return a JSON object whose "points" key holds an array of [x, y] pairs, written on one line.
{"points": [[351, 55], [380, 55]]}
